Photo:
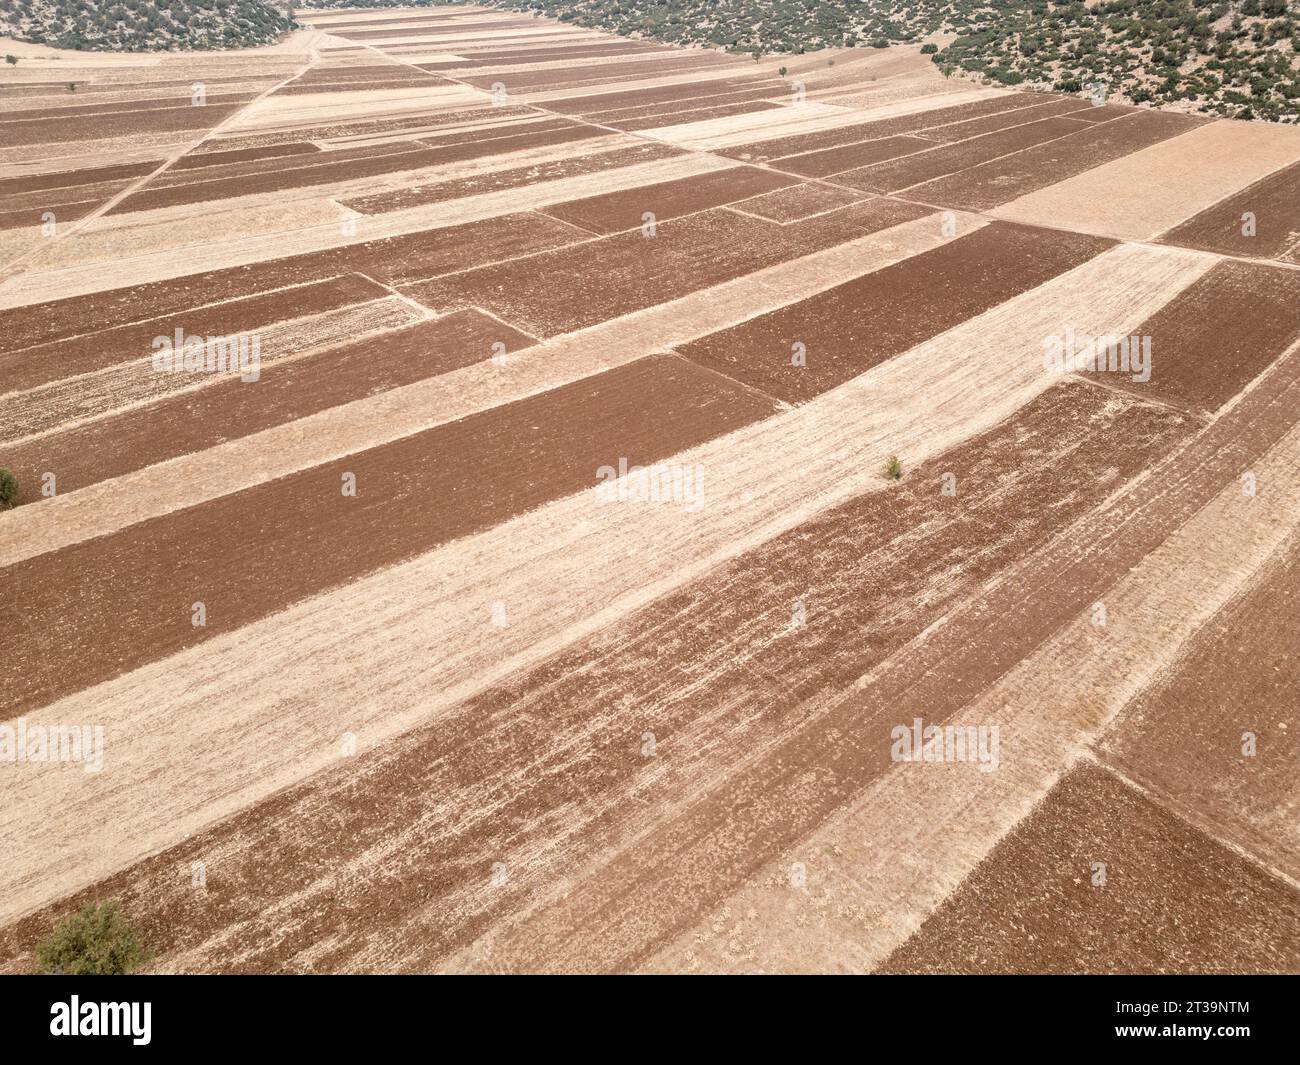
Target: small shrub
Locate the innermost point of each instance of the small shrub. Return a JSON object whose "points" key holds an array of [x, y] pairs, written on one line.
{"points": [[8, 489], [12, 60], [929, 49], [894, 468], [96, 941]]}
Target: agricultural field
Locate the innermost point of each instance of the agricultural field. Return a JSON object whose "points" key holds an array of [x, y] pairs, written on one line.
{"points": [[488, 495]]}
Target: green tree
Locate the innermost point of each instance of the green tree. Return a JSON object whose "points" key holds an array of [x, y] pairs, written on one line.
{"points": [[8, 488], [96, 941]]}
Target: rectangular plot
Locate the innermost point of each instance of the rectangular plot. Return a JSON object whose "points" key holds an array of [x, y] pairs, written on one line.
{"points": [[800, 201], [1217, 336], [1001, 180], [626, 272], [1274, 203], [88, 612], [846, 330], [954, 158], [666, 199], [1187, 903]]}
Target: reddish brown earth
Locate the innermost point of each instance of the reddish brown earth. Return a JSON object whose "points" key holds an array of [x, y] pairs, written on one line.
{"points": [[850, 328], [66, 357], [1002, 180], [1174, 900], [627, 271], [129, 602], [1275, 203], [698, 115], [1183, 739], [575, 76], [1217, 336], [31, 216], [668, 110], [869, 572], [615, 211], [285, 391]]}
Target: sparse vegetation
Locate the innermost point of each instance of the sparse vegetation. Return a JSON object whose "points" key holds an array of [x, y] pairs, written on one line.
{"points": [[8, 489], [143, 26], [95, 941], [894, 468]]}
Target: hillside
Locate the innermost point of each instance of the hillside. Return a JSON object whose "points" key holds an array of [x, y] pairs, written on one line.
{"points": [[1237, 58], [140, 26]]}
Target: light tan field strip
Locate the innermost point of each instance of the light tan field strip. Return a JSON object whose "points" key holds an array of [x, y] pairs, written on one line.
{"points": [[86, 397], [376, 420], [1141, 195], [165, 264], [863, 898], [267, 705]]}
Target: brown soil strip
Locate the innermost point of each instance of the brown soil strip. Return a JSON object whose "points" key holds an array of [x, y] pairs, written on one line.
{"points": [[410, 256], [239, 155], [93, 351], [1275, 203], [953, 158], [170, 120], [1002, 180], [67, 178], [231, 409], [1217, 336], [627, 271], [854, 326], [63, 212], [617, 211], [869, 572], [701, 91], [1184, 740], [1174, 900], [700, 115], [97, 609]]}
